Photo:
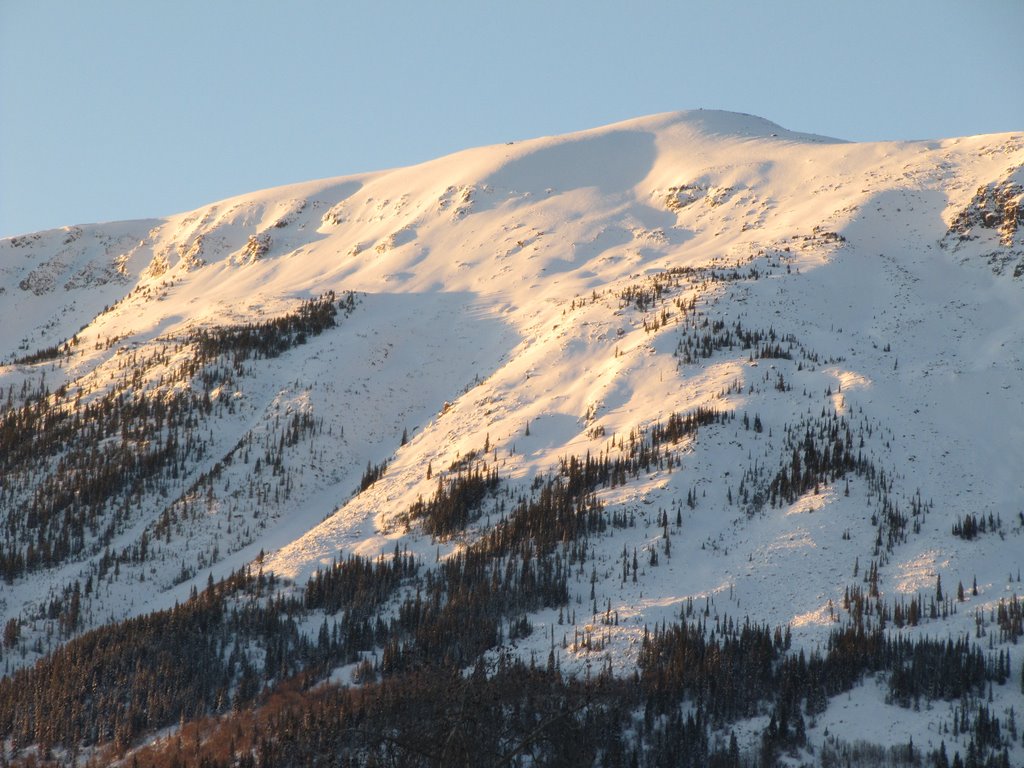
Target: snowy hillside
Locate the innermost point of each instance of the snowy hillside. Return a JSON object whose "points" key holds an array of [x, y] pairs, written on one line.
{"points": [[795, 364]]}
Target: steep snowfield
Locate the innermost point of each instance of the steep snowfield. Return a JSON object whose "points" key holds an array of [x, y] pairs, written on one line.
{"points": [[492, 293]]}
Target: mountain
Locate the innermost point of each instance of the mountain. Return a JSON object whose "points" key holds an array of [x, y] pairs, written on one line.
{"points": [[690, 370]]}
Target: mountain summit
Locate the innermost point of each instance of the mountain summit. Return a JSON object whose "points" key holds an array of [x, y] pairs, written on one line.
{"points": [[689, 373]]}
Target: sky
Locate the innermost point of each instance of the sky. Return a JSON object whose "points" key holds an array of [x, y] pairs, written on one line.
{"points": [[116, 110]]}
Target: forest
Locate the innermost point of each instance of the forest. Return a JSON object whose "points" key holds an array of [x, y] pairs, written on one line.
{"points": [[430, 693], [426, 650]]}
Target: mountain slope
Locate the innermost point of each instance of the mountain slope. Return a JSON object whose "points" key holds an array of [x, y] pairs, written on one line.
{"points": [[851, 314]]}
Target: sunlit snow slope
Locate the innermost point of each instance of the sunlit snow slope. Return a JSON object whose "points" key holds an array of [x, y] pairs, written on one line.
{"points": [[538, 301]]}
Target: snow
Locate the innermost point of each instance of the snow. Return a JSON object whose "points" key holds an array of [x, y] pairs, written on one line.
{"points": [[471, 271]]}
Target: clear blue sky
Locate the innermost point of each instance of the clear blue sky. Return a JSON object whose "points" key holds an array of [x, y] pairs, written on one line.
{"points": [[113, 110]]}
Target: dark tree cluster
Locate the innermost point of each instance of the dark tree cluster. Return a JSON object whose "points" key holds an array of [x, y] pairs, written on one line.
{"points": [[931, 670], [639, 451], [271, 338], [237, 637], [701, 337], [457, 501], [819, 451], [647, 295], [1009, 616], [987, 735], [357, 585], [702, 340], [76, 466], [822, 454], [471, 602], [728, 674], [417, 638], [430, 713], [86, 466], [372, 474], [838, 753], [516, 714], [563, 508], [970, 526], [868, 608], [112, 684], [46, 355]]}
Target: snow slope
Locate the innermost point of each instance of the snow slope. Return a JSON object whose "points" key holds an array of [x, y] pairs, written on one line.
{"points": [[493, 294]]}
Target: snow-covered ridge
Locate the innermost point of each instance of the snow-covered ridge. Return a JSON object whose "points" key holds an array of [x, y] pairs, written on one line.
{"points": [[568, 287]]}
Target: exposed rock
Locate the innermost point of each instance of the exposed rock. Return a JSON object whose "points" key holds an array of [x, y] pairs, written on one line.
{"points": [[257, 247], [999, 205]]}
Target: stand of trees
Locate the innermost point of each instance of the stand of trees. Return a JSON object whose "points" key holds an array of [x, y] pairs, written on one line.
{"points": [[75, 467], [238, 669], [412, 634]]}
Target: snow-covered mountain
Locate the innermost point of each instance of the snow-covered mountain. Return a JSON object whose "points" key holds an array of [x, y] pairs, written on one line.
{"points": [[292, 376]]}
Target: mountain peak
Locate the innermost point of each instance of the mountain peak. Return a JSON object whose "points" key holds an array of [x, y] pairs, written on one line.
{"points": [[661, 373], [714, 123]]}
